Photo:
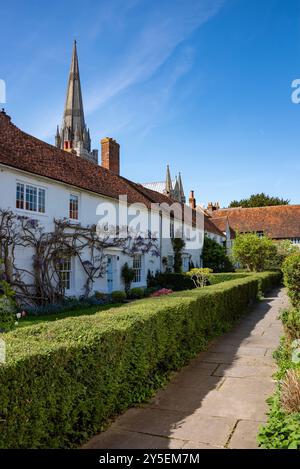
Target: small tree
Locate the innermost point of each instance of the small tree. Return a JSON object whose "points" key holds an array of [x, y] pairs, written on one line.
{"points": [[214, 256], [178, 246], [199, 276], [252, 252], [127, 276]]}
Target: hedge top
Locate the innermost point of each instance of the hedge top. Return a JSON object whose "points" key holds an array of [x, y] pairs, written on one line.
{"points": [[42, 339]]}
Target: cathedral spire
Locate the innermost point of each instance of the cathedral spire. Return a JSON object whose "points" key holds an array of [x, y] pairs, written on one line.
{"points": [[181, 191], [74, 136], [169, 187], [73, 113]]}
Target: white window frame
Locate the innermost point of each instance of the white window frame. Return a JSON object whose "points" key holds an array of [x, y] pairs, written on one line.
{"points": [[138, 270], [69, 271], [295, 240], [39, 190], [73, 194]]}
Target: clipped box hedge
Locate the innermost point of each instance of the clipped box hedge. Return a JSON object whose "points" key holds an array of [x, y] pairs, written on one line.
{"points": [[63, 380]]}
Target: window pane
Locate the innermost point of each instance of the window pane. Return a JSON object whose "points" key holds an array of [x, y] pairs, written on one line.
{"points": [[31, 198], [42, 199], [73, 207], [20, 196], [65, 274], [137, 267]]}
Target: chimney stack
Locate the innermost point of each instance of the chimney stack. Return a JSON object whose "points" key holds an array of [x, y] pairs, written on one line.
{"points": [[192, 200], [110, 155], [212, 207]]}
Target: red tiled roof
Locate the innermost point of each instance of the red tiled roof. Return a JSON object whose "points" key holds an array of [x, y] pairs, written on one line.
{"points": [[278, 222], [211, 227], [22, 151], [221, 223]]}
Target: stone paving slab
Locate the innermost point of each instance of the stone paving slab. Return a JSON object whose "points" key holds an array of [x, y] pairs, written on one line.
{"points": [[216, 402], [179, 425], [245, 435], [123, 439]]}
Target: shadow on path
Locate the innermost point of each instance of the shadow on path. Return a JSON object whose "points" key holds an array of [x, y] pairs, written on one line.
{"points": [[218, 400]]}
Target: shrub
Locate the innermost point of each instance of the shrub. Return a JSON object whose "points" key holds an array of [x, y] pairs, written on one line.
{"points": [[172, 281], [291, 273], [214, 256], [178, 246], [252, 252], [7, 307], [162, 292], [136, 293], [283, 249], [69, 304], [290, 391], [127, 274], [291, 323], [100, 296], [64, 379], [199, 276], [118, 296]]}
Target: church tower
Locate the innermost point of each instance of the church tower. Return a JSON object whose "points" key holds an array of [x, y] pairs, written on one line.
{"points": [[74, 136]]}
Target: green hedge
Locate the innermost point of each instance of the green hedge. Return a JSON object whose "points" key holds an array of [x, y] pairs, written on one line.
{"points": [[65, 379], [214, 279], [172, 281]]}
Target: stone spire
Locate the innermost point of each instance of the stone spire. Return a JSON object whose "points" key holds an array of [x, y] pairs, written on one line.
{"points": [[169, 187], [176, 192], [73, 113], [181, 191], [74, 135]]}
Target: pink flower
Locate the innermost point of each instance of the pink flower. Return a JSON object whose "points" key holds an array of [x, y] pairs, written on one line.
{"points": [[163, 291], [23, 314]]}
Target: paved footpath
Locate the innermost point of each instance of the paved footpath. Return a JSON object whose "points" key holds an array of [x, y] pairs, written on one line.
{"points": [[218, 400]]}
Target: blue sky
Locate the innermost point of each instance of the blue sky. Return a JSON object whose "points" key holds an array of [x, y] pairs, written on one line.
{"points": [[202, 85]]}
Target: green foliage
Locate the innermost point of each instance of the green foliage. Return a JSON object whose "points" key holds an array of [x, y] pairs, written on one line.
{"points": [[284, 249], [214, 256], [178, 246], [199, 276], [282, 430], [64, 380], [127, 274], [215, 278], [7, 306], [291, 322], [259, 200], [118, 296], [291, 274], [137, 293], [171, 281], [252, 252]]}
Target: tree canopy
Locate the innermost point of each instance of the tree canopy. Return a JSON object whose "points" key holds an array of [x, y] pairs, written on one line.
{"points": [[214, 256], [259, 200], [252, 252]]}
